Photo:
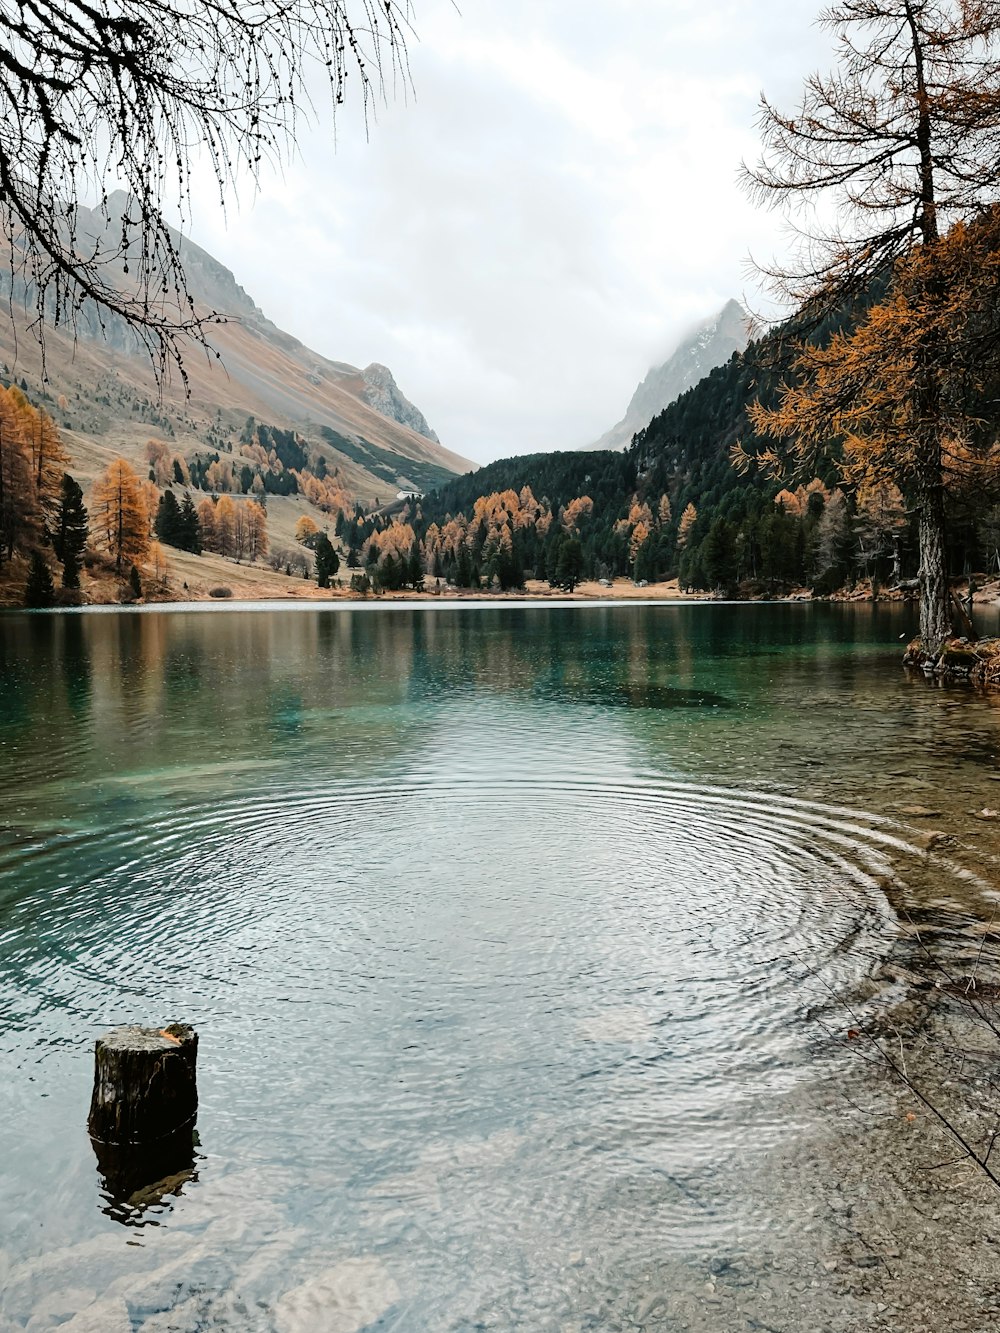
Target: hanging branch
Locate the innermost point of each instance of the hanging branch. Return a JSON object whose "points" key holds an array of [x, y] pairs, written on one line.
{"points": [[105, 95]]}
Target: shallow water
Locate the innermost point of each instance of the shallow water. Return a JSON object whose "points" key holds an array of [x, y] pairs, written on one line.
{"points": [[509, 934]]}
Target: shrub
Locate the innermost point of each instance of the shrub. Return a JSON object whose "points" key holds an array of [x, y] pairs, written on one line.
{"points": [[220, 592]]}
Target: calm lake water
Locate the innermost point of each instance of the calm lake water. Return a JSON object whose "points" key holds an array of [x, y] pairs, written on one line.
{"points": [[511, 935]]}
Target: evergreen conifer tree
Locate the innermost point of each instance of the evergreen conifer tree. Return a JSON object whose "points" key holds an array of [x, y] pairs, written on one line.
{"points": [[327, 560], [69, 537], [40, 590], [415, 571], [168, 519], [189, 528], [718, 555], [569, 568]]}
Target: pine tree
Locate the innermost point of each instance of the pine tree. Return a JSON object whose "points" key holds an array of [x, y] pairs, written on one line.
{"points": [[190, 529], [70, 531], [569, 567], [40, 590], [415, 570], [718, 555], [327, 560], [168, 526]]}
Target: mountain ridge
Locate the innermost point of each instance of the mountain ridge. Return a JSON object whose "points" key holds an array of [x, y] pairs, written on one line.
{"points": [[708, 345], [101, 388]]}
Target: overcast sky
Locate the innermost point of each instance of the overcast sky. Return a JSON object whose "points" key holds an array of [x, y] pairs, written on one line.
{"points": [[522, 238]]}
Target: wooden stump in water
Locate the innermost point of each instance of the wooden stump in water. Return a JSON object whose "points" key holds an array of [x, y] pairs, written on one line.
{"points": [[145, 1102]]}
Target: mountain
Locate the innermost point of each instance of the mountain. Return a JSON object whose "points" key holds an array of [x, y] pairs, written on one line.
{"points": [[382, 392], [672, 504], [711, 344], [101, 391]]}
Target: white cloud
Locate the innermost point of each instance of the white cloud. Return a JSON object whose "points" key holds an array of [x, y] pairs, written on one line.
{"points": [[521, 240]]}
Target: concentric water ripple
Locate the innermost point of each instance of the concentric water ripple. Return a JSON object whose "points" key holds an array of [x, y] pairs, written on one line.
{"points": [[588, 930]]}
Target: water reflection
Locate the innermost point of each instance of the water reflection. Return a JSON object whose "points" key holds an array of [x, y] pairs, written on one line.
{"points": [[136, 1186]]}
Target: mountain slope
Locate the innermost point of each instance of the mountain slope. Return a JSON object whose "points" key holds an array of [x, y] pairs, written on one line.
{"points": [[102, 392], [711, 344], [672, 504]]}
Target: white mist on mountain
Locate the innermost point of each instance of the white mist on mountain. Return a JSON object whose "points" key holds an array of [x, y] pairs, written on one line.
{"points": [[711, 344]]}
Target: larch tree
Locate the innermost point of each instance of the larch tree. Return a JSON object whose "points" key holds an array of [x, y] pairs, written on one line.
{"points": [[688, 519], [257, 541], [225, 526], [207, 527], [640, 534], [19, 517], [903, 139], [881, 517], [160, 462], [306, 530], [32, 462], [159, 565], [48, 457], [99, 97], [151, 500], [118, 510]]}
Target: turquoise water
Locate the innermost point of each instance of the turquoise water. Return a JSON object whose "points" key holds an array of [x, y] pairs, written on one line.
{"points": [[505, 931]]}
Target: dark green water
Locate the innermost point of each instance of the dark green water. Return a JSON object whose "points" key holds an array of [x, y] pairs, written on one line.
{"points": [[504, 931]]}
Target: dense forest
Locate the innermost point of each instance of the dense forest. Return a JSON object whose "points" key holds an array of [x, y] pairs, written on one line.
{"points": [[675, 505]]}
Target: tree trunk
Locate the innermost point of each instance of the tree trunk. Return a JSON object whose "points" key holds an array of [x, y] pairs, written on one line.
{"points": [[144, 1105], [935, 618], [144, 1084]]}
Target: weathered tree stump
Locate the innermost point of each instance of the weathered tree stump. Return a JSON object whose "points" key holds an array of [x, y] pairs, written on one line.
{"points": [[145, 1103]]}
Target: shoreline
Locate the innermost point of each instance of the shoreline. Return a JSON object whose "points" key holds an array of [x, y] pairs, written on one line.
{"points": [[247, 588], [516, 603], [424, 602]]}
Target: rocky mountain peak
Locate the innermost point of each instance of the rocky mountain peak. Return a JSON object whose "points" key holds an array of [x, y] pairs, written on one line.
{"points": [[383, 394], [708, 345]]}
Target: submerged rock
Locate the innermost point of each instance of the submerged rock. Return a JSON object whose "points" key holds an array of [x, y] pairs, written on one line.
{"points": [[347, 1297], [107, 1316]]}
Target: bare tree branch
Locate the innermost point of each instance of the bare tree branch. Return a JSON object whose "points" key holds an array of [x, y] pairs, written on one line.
{"points": [[98, 96]]}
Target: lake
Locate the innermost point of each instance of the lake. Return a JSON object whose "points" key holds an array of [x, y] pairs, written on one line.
{"points": [[514, 936]]}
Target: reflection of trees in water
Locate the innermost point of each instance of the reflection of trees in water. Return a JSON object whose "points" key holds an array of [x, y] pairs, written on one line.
{"points": [[77, 674], [129, 691], [592, 655], [347, 692]]}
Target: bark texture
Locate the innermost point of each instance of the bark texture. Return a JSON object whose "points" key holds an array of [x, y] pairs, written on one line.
{"points": [[145, 1089], [935, 616]]}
